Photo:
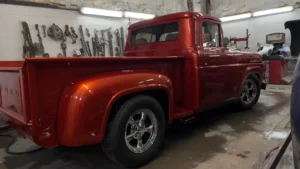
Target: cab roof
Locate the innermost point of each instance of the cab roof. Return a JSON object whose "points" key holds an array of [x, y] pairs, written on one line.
{"points": [[173, 16]]}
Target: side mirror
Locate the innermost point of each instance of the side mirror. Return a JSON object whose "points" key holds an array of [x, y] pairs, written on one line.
{"points": [[225, 41]]}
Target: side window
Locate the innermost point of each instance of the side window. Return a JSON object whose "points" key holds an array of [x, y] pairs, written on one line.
{"points": [[210, 34]]}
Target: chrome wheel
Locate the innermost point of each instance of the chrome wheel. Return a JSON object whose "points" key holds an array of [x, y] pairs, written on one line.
{"points": [[141, 130], [249, 92]]}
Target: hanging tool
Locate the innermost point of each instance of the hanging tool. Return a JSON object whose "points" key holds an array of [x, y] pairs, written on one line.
{"points": [[122, 41], [88, 48], [63, 46], [40, 50], [102, 43], [55, 32], [118, 40], [74, 36], [28, 48], [117, 51], [67, 31], [94, 45], [110, 44], [44, 30], [88, 32], [84, 48]]}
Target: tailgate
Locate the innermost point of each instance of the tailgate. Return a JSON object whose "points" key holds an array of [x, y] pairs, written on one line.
{"points": [[12, 107]]}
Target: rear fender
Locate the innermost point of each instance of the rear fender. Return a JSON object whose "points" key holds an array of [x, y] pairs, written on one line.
{"points": [[85, 105]]}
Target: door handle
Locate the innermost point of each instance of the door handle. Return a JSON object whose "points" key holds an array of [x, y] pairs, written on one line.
{"points": [[211, 54]]}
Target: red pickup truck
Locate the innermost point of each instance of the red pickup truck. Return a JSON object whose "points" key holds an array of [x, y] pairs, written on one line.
{"points": [[174, 67]]}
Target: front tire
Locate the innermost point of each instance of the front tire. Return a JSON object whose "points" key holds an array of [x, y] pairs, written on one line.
{"points": [[136, 132], [250, 92]]}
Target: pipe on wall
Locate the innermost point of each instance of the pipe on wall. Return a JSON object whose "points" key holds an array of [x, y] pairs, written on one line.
{"points": [[190, 4], [202, 6]]}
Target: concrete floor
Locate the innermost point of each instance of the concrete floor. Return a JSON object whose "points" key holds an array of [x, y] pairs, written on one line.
{"points": [[223, 138], [286, 161]]}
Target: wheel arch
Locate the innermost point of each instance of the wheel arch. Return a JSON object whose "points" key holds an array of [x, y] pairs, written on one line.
{"points": [[251, 71], [258, 75], [161, 93]]}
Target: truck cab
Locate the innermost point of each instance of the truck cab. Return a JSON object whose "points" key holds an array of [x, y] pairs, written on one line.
{"points": [[212, 74], [174, 67]]}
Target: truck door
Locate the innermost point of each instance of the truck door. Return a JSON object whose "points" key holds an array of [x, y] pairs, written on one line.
{"points": [[216, 63]]}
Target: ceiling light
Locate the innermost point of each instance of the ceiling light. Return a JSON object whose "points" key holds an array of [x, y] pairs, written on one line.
{"points": [[236, 17], [138, 15], [273, 11], [101, 12]]}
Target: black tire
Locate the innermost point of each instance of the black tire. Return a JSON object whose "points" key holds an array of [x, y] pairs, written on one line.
{"points": [[241, 103], [114, 144]]}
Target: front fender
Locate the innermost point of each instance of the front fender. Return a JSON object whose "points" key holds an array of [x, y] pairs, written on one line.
{"points": [[250, 70], [85, 105]]}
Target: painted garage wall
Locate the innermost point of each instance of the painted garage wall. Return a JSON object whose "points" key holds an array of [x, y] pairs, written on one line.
{"points": [[259, 27], [11, 38]]}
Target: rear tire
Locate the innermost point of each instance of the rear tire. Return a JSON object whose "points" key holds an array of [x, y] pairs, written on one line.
{"points": [[250, 92], [130, 140]]}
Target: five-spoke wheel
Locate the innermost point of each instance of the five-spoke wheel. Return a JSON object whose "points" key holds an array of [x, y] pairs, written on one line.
{"points": [[250, 92], [141, 130], [136, 132]]}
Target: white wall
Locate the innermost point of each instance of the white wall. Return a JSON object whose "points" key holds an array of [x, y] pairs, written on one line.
{"points": [[230, 7], [259, 27], [157, 7], [11, 38]]}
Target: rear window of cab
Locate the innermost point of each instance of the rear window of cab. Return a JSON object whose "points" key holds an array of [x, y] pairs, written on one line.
{"points": [[160, 33]]}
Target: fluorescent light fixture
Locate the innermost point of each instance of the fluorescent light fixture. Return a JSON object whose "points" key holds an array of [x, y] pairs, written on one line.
{"points": [[236, 17], [138, 15], [273, 11], [101, 12]]}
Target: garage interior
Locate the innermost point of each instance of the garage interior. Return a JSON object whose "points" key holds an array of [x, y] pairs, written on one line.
{"points": [[221, 138]]}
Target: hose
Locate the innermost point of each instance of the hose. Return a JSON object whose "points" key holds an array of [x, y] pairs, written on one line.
{"points": [[13, 141]]}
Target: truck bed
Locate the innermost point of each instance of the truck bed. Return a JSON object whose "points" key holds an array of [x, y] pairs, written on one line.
{"points": [[31, 89]]}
